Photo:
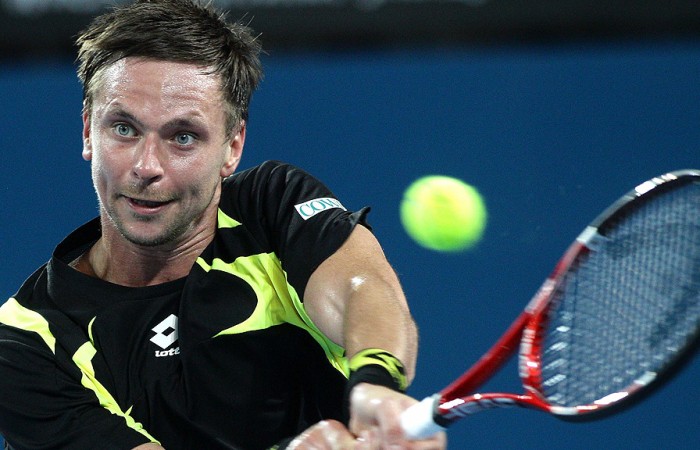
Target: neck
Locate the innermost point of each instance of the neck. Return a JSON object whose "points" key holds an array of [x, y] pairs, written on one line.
{"points": [[119, 261]]}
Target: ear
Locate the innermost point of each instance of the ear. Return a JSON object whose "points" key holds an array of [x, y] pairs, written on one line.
{"points": [[87, 144], [234, 150]]}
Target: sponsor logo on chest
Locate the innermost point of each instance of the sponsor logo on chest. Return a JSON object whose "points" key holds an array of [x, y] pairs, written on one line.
{"points": [[166, 337]]}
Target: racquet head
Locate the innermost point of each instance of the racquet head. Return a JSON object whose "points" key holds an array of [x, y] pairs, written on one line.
{"points": [[621, 311], [616, 317]]}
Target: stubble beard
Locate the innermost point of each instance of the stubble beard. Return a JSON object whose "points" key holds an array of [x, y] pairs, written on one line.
{"points": [[170, 231]]}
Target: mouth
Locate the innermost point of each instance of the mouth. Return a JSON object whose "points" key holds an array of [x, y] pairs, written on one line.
{"points": [[144, 206]]}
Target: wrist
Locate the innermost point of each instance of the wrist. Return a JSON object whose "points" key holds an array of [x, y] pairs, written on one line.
{"points": [[377, 366], [374, 366]]}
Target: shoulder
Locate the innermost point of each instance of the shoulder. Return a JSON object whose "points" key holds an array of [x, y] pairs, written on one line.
{"points": [[267, 173], [269, 186], [25, 339]]}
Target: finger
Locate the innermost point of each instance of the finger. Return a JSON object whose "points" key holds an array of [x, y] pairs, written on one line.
{"points": [[392, 432], [369, 439], [388, 414], [325, 435]]}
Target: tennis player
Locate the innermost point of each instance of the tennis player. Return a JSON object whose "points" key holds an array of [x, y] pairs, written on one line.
{"points": [[202, 309]]}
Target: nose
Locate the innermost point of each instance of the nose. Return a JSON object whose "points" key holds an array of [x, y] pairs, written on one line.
{"points": [[148, 166]]}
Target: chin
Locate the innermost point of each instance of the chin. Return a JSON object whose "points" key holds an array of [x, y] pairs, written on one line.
{"points": [[146, 238]]}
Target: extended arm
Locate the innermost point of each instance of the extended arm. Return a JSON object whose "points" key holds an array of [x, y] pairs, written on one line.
{"points": [[355, 298]]}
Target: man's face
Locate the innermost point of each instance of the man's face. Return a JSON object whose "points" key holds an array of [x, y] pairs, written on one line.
{"points": [[155, 135]]}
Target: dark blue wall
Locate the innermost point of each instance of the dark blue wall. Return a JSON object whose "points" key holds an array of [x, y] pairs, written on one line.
{"points": [[549, 134]]}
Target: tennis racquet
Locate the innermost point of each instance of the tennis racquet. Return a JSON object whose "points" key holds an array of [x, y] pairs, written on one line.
{"points": [[617, 317]]}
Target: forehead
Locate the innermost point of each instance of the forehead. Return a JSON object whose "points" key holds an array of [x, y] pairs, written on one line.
{"points": [[157, 81]]}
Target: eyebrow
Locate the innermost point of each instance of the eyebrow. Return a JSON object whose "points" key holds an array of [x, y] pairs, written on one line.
{"points": [[121, 113], [182, 123]]}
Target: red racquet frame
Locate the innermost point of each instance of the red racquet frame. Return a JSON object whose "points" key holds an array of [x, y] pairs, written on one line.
{"points": [[459, 399]]}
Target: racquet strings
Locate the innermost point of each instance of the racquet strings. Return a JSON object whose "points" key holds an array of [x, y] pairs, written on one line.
{"points": [[627, 308]]}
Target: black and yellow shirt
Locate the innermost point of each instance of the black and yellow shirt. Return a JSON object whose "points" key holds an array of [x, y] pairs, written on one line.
{"points": [[224, 358]]}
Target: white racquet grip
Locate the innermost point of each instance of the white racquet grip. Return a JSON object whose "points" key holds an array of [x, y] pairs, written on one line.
{"points": [[417, 421]]}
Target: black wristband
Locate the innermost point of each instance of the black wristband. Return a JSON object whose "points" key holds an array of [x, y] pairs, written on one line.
{"points": [[384, 360], [373, 374]]}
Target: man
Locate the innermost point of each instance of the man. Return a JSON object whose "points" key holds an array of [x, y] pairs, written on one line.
{"points": [[202, 309]]}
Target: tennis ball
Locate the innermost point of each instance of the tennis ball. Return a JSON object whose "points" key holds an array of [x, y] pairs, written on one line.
{"points": [[443, 213]]}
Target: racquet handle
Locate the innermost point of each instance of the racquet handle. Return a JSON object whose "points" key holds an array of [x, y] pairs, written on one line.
{"points": [[417, 421]]}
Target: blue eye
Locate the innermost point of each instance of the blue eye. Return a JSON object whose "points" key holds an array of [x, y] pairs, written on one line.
{"points": [[124, 130], [184, 139]]}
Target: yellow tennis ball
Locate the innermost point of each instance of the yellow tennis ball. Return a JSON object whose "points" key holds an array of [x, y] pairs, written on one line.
{"points": [[443, 213]]}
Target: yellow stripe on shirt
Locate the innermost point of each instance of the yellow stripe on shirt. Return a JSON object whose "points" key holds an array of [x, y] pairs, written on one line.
{"points": [[15, 315], [278, 301]]}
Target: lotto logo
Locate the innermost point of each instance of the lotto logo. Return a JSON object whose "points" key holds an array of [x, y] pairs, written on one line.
{"points": [[309, 209], [166, 336]]}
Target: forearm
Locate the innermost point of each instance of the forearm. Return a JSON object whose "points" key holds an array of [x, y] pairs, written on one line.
{"points": [[355, 298], [377, 316]]}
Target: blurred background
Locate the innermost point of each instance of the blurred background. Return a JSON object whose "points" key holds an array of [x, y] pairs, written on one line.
{"points": [[552, 109]]}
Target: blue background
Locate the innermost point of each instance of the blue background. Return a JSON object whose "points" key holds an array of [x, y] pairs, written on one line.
{"points": [[550, 134]]}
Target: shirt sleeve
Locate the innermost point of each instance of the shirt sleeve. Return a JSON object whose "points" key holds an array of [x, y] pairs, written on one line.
{"points": [[293, 214], [43, 407]]}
